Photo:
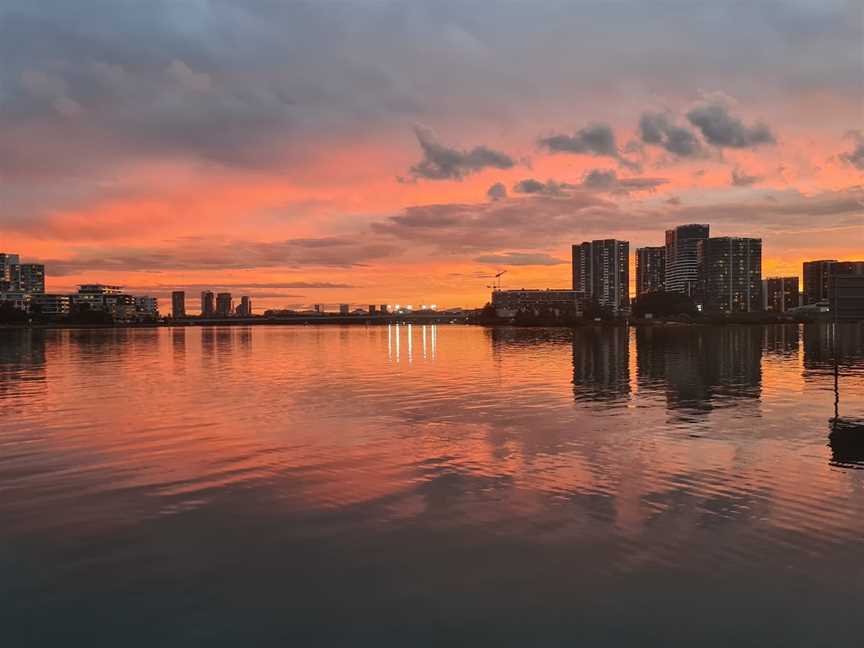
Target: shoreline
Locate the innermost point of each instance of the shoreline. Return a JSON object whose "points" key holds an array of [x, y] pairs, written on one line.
{"points": [[381, 321]]}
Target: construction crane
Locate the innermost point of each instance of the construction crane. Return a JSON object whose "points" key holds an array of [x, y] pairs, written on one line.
{"points": [[498, 279]]}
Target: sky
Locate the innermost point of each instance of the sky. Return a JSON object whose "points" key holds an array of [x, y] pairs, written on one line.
{"points": [[369, 151]]}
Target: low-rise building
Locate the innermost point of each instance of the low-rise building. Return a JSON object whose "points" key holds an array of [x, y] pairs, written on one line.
{"points": [[19, 300], [51, 305], [146, 308], [561, 303]]}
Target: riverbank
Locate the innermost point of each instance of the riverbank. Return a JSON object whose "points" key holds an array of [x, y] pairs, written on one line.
{"points": [[415, 320]]}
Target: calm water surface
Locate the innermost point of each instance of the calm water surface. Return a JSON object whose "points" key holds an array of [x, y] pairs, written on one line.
{"points": [[409, 486]]}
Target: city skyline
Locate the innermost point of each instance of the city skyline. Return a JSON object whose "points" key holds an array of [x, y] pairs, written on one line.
{"points": [[271, 156]]}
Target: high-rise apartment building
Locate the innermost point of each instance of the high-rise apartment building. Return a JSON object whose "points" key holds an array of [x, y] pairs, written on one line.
{"points": [[245, 308], [224, 304], [601, 270], [682, 243], [650, 269], [27, 277], [730, 274], [6, 262], [780, 294], [208, 304], [178, 304], [818, 277]]}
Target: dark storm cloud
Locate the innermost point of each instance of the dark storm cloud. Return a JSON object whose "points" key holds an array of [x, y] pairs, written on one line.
{"points": [[722, 129], [446, 163], [519, 259], [658, 129], [855, 157], [497, 191], [740, 178]]}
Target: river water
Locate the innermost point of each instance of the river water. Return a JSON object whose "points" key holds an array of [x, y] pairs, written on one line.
{"points": [[410, 486]]}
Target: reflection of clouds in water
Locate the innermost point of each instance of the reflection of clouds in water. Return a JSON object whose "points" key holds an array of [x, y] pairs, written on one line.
{"points": [[572, 446]]}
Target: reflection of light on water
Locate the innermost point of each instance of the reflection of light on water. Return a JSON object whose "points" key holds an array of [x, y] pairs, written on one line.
{"points": [[410, 345], [429, 342]]}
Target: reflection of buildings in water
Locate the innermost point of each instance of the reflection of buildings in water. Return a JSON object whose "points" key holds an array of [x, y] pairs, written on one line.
{"points": [[208, 345], [401, 342], [601, 363], [782, 339], [819, 344], [698, 367], [847, 450], [22, 361], [178, 348], [244, 338]]}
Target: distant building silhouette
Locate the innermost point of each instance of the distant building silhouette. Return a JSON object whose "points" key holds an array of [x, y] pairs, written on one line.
{"points": [[344, 309], [601, 271], [208, 304], [245, 307], [650, 269], [682, 243], [178, 304], [224, 304], [730, 274]]}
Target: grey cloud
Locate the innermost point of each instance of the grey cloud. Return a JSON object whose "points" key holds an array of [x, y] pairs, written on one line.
{"points": [[445, 163], [658, 129], [540, 222], [519, 259], [855, 157], [740, 178], [548, 188], [594, 139], [536, 221], [497, 191], [332, 252], [595, 180], [722, 129], [608, 180]]}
